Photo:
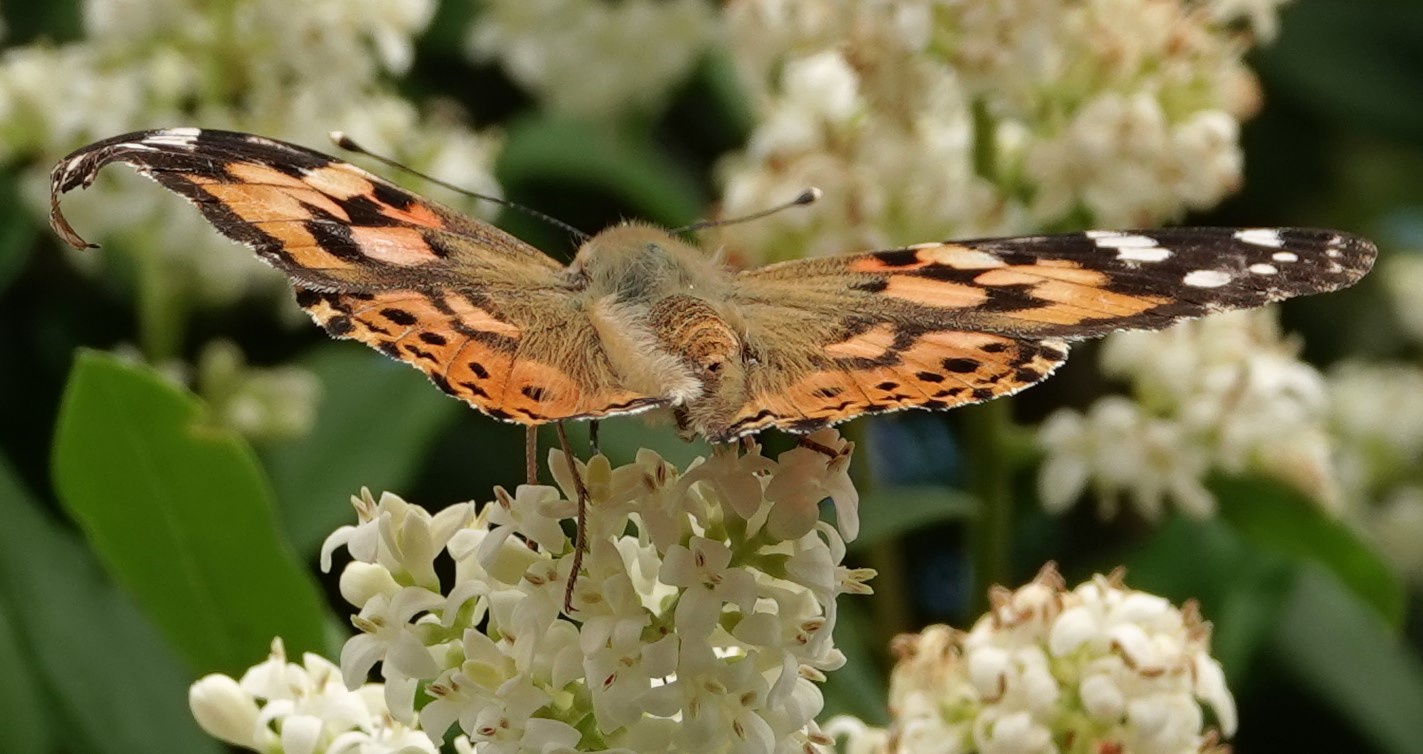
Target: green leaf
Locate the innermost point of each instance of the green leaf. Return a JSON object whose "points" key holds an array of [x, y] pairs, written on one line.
{"points": [[1336, 646], [373, 428], [178, 510], [29, 726], [1274, 517], [567, 152], [96, 661], [889, 512]]}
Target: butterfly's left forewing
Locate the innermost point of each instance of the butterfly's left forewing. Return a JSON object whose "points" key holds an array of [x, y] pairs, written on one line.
{"points": [[488, 318], [943, 324]]}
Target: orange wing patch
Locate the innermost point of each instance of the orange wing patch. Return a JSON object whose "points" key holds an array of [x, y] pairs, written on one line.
{"points": [[466, 352], [938, 370]]}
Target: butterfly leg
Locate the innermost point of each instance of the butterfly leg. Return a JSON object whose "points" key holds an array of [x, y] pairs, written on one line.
{"points": [[531, 454], [804, 441], [580, 543]]}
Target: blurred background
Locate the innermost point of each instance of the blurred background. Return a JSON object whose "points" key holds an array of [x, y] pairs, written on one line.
{"points": [[164, 403]]}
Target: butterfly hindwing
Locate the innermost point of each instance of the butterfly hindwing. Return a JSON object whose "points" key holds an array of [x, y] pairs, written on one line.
{"points": [[991, 316], [485, 316]]}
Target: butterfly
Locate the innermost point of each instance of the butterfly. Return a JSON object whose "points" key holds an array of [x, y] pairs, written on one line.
{"points": [[641, 320]]}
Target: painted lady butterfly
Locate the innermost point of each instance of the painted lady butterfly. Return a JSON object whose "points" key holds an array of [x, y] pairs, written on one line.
{"points": [[641, 320]]}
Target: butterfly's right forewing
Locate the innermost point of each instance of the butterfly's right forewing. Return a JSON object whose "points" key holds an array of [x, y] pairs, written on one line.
{"points": [[937, 325]]}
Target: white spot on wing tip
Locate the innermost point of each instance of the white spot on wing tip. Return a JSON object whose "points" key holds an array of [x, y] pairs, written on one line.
{"points": [[1264, 269], [1260, 237], [1285, 256], [1134, 254], [1206, 278], [1124, 241], [173, 137]]}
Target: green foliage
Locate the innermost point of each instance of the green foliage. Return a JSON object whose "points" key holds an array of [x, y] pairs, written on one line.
{"points": [[181, 514], [1339, 651], [373, 428], [1272, 518], [107, 679]]}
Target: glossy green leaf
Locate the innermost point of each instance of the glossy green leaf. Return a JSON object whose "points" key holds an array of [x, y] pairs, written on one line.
{"points": [[568, 152], [892, 511], [1336, 646], [180, 513], [98, 665], [1272, 516], [376, 420]]}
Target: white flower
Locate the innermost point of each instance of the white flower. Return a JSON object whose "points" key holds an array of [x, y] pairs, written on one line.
{"points": [[1227, 393], [928, 119], [692, 623], [228, 713], [593, 58], [805, 476], [402, 538], [1099, 668], [1122, 452], [701, 569], [304, 709]]}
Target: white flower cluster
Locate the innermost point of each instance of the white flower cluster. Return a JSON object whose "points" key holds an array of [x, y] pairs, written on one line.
{"points": [[304, 709], [289, 70], [1223, 393], [702, 621], [594, 58], [1100, 668], [928, 119], [1377, 414]]}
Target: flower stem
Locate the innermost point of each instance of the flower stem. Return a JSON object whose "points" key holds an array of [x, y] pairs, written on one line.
{"points": [[161, 305], [988, 427]]}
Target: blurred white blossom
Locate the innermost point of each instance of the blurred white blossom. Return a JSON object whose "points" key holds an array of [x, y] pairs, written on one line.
{"points": [[590, 57], [261, 403], [1226, 393], [1396, 526], [1377, 414], [1099, 668], [294, 71], [697, 624], [283, 707], [929, 119]]}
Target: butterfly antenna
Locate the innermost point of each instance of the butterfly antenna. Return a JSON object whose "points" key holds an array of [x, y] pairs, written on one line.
{"points": [[809, 196], [347, 143]]}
